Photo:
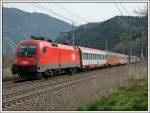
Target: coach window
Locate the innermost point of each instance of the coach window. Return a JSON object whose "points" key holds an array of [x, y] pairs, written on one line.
{"points": [[90, 56], [87, 55], [93, 56], [82, 55], [44, 50]]}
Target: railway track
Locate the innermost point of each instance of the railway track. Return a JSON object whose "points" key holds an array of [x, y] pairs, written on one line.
{"points": [[10, 84], [17, 97], [41, 88], [9, 87]]}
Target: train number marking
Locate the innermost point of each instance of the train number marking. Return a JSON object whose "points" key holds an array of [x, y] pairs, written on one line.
{"points": [[24, 62]]}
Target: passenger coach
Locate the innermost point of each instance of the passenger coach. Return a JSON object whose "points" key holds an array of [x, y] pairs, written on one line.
{"points": [[92, 57]]}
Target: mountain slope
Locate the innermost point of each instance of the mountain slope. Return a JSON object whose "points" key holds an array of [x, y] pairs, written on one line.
{"points": [[116, 30], [19, 25]]}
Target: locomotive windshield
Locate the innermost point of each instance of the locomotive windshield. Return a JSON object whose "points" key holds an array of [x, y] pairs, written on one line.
{"points": [[27, 50]]}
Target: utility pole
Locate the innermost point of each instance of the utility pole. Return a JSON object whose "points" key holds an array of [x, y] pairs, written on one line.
{"points": [[106, 48], [130, 51], [72, 34], [142, 47], [146, 48], [123, 48]]}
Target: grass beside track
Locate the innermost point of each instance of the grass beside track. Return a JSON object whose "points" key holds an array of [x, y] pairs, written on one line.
{"points": [[133, 98]]}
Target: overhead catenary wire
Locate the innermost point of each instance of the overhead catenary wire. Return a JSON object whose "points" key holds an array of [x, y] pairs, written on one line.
{"points": [[106, 41], [118, 8], [10, 43], [11, 46], [56, 14], [130, 45], [130, 49], [9, 40], [124, 8], [52, 20], [71, 13]]}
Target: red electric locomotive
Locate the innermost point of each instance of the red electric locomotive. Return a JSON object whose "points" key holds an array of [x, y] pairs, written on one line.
{"points": [[39, 57]]}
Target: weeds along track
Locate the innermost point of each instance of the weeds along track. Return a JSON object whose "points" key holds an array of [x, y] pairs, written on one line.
{"points": [[11, 99], [10, 86], [39, 89]]}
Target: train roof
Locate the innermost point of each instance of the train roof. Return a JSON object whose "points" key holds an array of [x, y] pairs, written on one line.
{"points": [[42, 42], [114, 53], [91, 50], [24, 42]]}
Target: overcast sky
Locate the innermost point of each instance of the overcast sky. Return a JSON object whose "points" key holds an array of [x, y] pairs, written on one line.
{"points": [[81, 13]]}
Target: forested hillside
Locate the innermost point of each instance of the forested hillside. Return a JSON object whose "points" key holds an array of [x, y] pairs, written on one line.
{"points": [[116, 30]]}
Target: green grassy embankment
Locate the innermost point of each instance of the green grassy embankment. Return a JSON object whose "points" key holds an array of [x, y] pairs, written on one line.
{"points": [[133, 98]]}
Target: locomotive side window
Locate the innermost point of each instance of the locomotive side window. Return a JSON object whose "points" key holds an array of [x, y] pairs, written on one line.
{"points": [[44, 50]]}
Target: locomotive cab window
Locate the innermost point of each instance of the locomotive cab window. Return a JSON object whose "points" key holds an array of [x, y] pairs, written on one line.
{"points": [[27, 50]]}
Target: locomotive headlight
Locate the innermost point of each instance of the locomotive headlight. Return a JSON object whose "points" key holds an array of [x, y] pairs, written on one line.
{"points": [[36, 62]]}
